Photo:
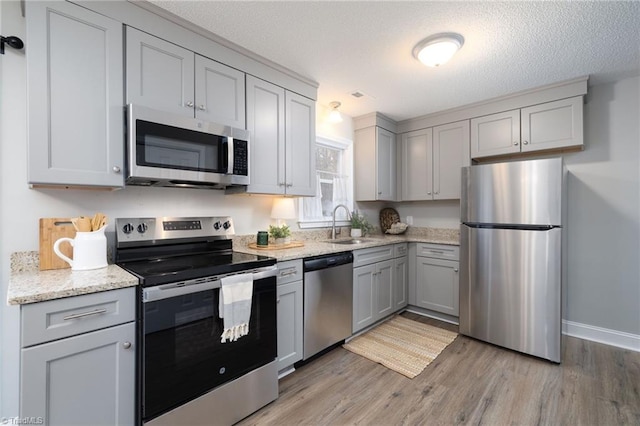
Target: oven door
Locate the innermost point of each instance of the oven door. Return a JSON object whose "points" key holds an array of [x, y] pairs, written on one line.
{"points": [[182, 353]]}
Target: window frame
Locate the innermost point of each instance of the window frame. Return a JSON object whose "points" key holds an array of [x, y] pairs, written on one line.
{"points": [[346, 145]]}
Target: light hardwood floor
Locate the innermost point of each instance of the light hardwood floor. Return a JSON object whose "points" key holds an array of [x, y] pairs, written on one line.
{"points": [[469, 383]]}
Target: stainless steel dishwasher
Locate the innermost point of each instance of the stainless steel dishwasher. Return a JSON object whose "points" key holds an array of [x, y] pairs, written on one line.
{"points": [[328, 301]]}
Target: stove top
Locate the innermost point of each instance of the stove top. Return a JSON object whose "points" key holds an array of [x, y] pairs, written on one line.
{"points": [[187, 267], [173, 249]]}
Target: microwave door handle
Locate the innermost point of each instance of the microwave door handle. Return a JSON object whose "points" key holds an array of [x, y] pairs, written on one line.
{"points": [[229, 156]]}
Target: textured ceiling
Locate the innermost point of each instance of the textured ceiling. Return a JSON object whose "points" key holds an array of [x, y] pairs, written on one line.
{"points": [[366, 46]]}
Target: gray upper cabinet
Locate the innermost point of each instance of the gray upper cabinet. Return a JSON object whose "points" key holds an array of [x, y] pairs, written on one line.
{"points": [[431, 161], [220, 93], [168, 77], [450, 154], [548, 126], [375, 164], [160, 74], [282, 126], [75, 96], [300, 133], [417, 165]]}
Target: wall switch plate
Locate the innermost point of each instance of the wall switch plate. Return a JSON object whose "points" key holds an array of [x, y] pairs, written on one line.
{"points": [[409, 220]]}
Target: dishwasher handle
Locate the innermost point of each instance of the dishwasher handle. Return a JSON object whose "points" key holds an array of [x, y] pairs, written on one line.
{"points": [[327, 261]]}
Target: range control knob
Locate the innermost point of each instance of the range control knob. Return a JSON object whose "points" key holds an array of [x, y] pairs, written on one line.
{"points": [[217, 225], [128, 228], [142, 228], [226, 225]]}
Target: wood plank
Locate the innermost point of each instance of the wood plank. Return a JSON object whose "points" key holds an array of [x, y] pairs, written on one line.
{"points": [[470, 382]]}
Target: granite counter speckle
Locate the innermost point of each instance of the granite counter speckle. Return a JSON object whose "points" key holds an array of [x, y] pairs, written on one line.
{"points": [[29, 285]]}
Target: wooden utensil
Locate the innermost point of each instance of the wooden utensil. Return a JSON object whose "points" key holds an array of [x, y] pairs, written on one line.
{"points": [[82, 224], [51, 229]]}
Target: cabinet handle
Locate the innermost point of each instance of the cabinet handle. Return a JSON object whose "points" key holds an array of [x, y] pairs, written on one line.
{"points": [[126, 345], [115, 169], [526, 142], [281, 184], [437, 251], [189, 104], [515, 143], [380, 193], [201, 108], [455, 269], [287, 272], [277, 300], [437, 192], [84, 314], [289, 185], [429, 193]]}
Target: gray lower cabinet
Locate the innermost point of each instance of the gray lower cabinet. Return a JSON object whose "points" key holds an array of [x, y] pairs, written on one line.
{"points": [[290, 320], [168, 77], [75, 96], [437, 278], [379, 284], [78, 360], [400, 277], [282, 126]]}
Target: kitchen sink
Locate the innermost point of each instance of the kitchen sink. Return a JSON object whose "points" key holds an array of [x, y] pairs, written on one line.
{"points": [[350, 241]]}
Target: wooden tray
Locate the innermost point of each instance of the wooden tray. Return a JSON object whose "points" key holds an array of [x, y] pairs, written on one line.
{"points": [[292, 244]]}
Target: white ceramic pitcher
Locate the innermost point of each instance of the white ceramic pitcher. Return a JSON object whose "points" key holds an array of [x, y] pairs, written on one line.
{"points": [[89, 250]]}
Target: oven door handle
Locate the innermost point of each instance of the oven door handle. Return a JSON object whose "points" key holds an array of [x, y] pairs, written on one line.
{"points": [[152, 294]]}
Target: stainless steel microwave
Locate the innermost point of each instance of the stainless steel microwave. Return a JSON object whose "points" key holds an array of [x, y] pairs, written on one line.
{"points": [[165, 149]]}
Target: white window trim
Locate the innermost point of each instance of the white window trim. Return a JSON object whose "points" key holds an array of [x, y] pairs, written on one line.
{"points": [[347, 146]]}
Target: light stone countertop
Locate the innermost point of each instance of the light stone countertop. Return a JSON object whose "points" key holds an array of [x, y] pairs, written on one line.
{"points": [[29, 285], [37, 286], [317, 243]]}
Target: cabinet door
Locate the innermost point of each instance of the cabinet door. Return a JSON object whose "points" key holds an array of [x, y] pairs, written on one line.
{"points": [[450, 154], [75, 97], [81, 380], [399, 282], [160, 74], [552, 125], [290, 323], [265, 121], [495, 134], [364, 297], [384, 285], [385, 165], [417, 175], [364, 148], [437, 285], [219, 93], [300, 145]]}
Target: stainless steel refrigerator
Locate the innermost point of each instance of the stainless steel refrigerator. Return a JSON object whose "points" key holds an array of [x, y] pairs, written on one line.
{"points": [[511, 255]]}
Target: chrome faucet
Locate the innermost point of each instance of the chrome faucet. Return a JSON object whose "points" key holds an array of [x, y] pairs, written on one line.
{"points": [[333, 224]]}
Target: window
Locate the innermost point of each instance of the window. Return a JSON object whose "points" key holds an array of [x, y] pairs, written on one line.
{"points": [[334, 184]]}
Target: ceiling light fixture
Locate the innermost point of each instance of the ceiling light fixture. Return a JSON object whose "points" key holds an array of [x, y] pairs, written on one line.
{"points": [[437, 49], [334, 115]]}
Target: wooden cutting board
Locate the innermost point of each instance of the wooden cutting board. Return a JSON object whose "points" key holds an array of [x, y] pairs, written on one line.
{"points": [[51, 229]]}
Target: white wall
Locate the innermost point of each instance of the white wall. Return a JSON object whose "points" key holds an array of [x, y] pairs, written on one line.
{"points": [[21, 207], [603, 187]]}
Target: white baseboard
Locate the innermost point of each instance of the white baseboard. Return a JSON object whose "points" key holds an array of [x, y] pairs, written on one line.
{"points": [[607, 336]]}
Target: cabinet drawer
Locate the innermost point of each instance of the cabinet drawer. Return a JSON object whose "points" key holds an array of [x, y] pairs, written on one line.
{"points": [[438, 251], [56, 319], [372, 255], [290, 271], [400, 250]]}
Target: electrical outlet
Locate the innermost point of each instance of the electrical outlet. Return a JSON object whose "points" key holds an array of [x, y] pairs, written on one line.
{"points": [[409, 220]]}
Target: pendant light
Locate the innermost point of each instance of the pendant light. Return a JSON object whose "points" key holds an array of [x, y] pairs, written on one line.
{"points": [[437, 49], [334, 115]]}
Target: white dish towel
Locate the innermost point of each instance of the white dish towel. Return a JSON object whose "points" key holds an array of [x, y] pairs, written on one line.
{"points": [[234, 305]]}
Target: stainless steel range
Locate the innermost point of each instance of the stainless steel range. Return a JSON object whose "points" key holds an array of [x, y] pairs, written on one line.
{"points": [[186, 375]]}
